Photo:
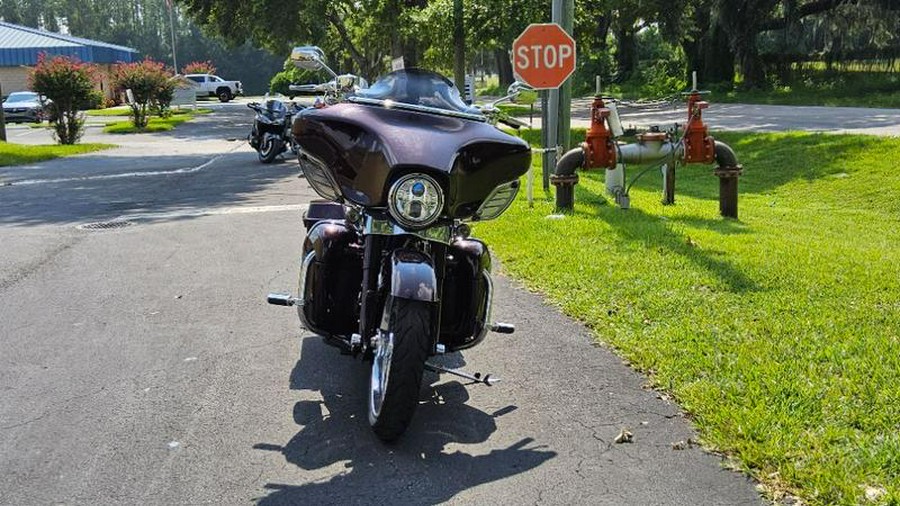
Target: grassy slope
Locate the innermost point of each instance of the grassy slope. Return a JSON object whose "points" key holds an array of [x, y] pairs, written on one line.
{"points": [[780, 332], [19, 154]]}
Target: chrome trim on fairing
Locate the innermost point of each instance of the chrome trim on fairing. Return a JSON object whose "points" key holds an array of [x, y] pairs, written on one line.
{"points": [[390, 104], [440, 233], [497, 201], [304, 269], [319, 177]]}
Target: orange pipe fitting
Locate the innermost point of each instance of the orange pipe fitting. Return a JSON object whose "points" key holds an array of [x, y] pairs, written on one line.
{"points": [[699, 147], [599, 148]]}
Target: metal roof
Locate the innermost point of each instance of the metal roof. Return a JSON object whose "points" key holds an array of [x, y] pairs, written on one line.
{"points": [[20, 45]]}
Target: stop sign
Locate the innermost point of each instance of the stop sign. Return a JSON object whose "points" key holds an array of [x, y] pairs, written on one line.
{"points": [[543, 56]]}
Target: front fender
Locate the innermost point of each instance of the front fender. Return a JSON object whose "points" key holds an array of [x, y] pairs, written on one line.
{"points": [[413, 276]]}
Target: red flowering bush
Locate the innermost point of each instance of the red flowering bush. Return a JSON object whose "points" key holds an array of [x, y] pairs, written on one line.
{"points": [[69, 84], [149, 83], [199, 67]]}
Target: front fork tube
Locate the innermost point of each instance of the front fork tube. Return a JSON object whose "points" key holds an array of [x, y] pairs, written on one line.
{"points": [[368, 316]]}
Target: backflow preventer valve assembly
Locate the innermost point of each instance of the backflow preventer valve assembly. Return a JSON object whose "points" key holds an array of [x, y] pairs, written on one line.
{"points": [[601, 151]]}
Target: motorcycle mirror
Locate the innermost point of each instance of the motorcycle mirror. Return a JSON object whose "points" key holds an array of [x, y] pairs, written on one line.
{"points": [[521, 93], [308, 57]]}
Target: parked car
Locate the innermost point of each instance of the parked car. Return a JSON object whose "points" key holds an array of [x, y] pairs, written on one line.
{"points": [[215, 86], [23, 106]]}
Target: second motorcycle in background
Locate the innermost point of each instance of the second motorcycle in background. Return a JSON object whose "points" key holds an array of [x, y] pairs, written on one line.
{"points": [[270, 135]]}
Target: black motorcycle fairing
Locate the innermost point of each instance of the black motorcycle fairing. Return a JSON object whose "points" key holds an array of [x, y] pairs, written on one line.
{"points": [[332, 277], [366, 146], [465, 294]]}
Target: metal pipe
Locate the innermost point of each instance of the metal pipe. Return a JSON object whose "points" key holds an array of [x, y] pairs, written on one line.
{"points": [[668, 173], [728, 171], [565, 179], [647, 152], [725, 156]]}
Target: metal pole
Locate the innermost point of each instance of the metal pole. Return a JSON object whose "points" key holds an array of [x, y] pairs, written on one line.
{"points": [[551, 124], [548, 158], [2, 121], [567, 22], [172, 31]]}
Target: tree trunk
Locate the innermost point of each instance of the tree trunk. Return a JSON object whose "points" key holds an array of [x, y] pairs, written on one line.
{"points": [[626, 51], [707, 52], [459, 47], [751, 65], [741, 21], [718, 61], [504, 67]]}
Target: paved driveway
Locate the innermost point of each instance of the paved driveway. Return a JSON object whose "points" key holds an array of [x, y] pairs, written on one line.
{"points": [[141, 365]]}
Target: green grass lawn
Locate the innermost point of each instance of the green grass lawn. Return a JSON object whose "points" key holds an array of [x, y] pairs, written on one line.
{"points": [[20, 154], [124, 110], [121, 110], [778, 333], [155, 124], [807, 87]]}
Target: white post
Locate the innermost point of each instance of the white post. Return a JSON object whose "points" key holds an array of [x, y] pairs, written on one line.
{"points": [[529, 187]]}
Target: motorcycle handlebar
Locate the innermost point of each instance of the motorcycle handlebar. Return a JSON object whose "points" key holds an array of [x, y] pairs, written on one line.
{"points": [[513, 122]]}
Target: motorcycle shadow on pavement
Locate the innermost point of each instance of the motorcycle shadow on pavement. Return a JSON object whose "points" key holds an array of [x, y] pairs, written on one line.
{"points": [[348, 464]]}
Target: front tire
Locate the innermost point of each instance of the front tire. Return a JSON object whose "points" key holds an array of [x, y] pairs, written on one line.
{"points": [[268, 149], [224, 95], [397, 368]]}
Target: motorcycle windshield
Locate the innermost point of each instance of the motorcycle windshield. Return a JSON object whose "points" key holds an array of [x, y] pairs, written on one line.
{"points": [[418, 90]]}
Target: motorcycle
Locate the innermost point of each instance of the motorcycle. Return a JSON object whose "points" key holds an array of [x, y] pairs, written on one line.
{"points": [[389, 269], [270, 135]]}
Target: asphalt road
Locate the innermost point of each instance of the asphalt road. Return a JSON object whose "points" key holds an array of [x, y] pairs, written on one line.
{"points": [[141, 364], [751, 118]]}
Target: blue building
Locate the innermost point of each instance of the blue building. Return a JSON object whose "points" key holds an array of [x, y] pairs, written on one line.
{"points": [[20, 47]]}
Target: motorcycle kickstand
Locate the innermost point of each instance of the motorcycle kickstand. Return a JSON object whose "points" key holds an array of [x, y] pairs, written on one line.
{"points": [[487, 379]]}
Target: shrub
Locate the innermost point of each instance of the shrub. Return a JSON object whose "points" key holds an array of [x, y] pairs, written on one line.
{"points": [[69, 83], [162, 102], [199, 67], [150, 85]]}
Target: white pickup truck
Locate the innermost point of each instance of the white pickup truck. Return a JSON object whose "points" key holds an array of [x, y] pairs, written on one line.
{"points": [[215, 86]]}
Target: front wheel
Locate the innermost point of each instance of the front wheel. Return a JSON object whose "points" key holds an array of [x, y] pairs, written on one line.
{"points": [[269, 148], [397, 367], [224, 95]]}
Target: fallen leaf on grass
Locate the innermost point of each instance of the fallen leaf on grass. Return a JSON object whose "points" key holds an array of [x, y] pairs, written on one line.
{"points": [[874, 493]]}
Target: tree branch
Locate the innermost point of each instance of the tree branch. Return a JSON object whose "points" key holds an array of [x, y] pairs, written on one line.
{"points": [[358, 57], [809, 9]]}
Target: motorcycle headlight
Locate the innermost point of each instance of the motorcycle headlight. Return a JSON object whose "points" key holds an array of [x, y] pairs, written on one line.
{"points": [[415, 201]]}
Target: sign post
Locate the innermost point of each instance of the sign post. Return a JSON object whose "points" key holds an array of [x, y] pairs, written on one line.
{"points": [[544, 58]]}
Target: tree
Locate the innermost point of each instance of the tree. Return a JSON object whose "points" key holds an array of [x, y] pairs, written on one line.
{"points": [[69, 84], [199, 67], [148, 81]]}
